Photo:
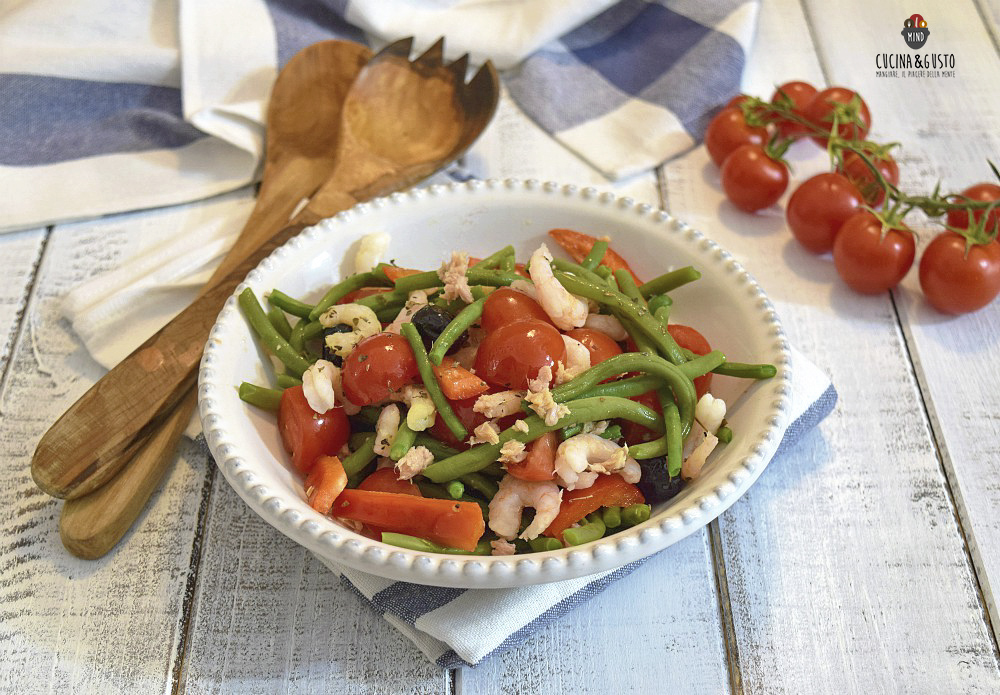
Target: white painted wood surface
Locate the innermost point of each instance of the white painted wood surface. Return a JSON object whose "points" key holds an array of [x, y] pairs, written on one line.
{"points": [[864, 560]]}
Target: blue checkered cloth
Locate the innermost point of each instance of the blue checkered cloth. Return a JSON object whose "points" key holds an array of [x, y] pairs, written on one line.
{"points": [[103, 119]]}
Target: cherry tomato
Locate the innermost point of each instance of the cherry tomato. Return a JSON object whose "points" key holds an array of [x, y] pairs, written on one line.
{"points": [[819, 207], [692, 340], [737, 100], [540, 462], [635, 433], [955, 282], [505, 305], [511, 355], [727, 131], [985, 192], [869, 261], [820, 113], [858, 173], [306, 434], [752, 180], [600, 345], [380, 365], [797, 96], [385, 480], [469, 419]]}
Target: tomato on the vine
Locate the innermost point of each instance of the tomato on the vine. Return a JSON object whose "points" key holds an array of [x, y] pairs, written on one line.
{"points": [[867, 259], [820, 112], [981, 192], [955, 281], [505, 305], [511, 355], [797, 96], [752, 179], [819, 207], [858, 173], [379, 366], [306, 434], [728, 131]]}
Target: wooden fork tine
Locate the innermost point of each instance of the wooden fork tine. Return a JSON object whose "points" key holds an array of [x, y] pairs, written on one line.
{"points": [[459, 68], [433, 56], [401, 48], [485, 80]]}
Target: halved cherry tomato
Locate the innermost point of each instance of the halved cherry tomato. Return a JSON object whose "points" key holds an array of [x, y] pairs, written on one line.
{"points": [[456, 381], [355, 295], [380, 365], [448, 522], [692, 340], [306, 434], [607, 491], [600, 345], [505, 305], [469, 419], [325, 482], [727, 131], [385, 480], [540, 462], [578, 245], [511, 355]]}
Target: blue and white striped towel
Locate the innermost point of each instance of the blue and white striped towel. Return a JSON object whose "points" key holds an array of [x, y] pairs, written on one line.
{"points": [[108, 106]]}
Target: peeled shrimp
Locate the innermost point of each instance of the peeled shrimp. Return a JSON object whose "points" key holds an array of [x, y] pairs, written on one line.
{"points": [[577, 360], [386, 428], [516, 494], [361, 319], [317, 385], [581, 458], [566, 310]]}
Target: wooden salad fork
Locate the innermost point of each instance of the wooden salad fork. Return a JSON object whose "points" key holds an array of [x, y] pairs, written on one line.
{"points": [[401, 121]]}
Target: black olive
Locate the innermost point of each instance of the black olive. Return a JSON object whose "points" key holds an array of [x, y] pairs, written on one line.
{"points": [[430, 321], [328, 355], [656, 484]]}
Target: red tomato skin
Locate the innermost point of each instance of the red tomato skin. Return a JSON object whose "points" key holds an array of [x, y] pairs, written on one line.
{"points": [[511, 356], [801, 95], [819, 113], [858, 173], [983, 192], [954, 283], [380, 365], [752, 180], [385, 480], [539, 464], [306, 434], [469, 419], [355, 295], [692, 340], [819, 207], [727, 131], [867, 261], [505, 305], [635, 433], [600, 345]]}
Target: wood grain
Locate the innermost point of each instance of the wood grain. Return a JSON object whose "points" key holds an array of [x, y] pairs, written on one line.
{"points": [[21, 252]]}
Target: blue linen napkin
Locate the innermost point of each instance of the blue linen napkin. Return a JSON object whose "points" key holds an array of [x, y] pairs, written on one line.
{"points": [[107, 107]]}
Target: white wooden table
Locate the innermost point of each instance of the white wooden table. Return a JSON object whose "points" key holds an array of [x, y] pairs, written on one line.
{"points": [[866, 559]]}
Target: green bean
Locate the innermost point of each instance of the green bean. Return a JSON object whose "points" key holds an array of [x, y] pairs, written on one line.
{"points": [[480, 483], [635, 514], [384, 301], [658, 301], [606, 274], [355, 480], [578, 270], [662, 313], [746, 371], [455, 328], [702, 364], [612, 517], [265, 331], [345, 287], [669, 281], [508, 264], [403, 441], [388, 314], [440, 450], [293, 306], [592, 530], [355, 461], [619, 303], [455, 426], [725, 434], [496, 258], [543, 544], [418, 281], [423, 545], [673, 436], [455, 488], [626, 388], [280, 322], [368, 415], [357, 440], [626, 284], [595, 255], [260, 396], [494, 470], [679, 382], [297, 338], [612, 432], [432, 490], [287, 381], [580, 410]]}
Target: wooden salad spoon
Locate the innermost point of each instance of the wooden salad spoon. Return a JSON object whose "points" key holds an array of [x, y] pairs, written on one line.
{"points": [[401, 121]]}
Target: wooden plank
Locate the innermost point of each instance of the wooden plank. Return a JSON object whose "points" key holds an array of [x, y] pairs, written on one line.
{"points": [[21, 252], [947, 133], [587, 650], [106, 626], [845, 555]]}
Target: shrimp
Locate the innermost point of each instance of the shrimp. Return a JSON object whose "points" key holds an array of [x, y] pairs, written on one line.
{"points": [[317, 385], [566, 310], [370, 251], [608, 325], [516, 494], [386, 428], [581, 458], [577, 360], [361, 319], [710, 412]]}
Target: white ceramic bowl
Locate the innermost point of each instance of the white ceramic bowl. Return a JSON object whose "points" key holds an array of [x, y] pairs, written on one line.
{"points": [[726, 305]]}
